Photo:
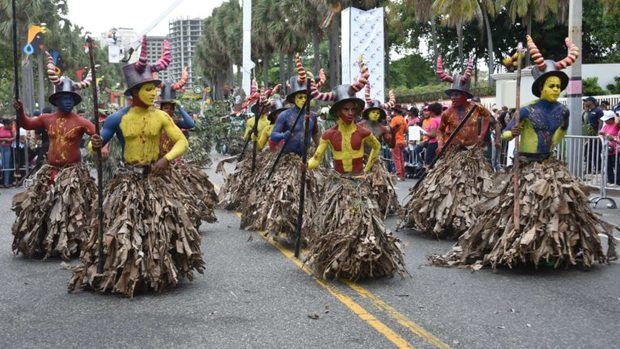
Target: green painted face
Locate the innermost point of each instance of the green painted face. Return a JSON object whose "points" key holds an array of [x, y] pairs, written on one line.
{"points": [[300, 99], [374, 115], [147, 93], [551, 89]]}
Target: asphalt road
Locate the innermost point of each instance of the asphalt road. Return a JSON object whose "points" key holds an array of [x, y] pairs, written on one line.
{"points": [[254, 294]]}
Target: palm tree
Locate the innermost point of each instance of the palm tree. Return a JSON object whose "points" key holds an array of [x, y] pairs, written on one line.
{"points": [[262, 46], [457, 13], [530, 10]]}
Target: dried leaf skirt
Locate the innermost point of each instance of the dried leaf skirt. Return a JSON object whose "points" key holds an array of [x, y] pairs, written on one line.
{"points": [[149, 239], [383, 190], [199, 196], [443, 205], [237, 184], [349, 237], [557, 225], [53, 219], [272, 203]]}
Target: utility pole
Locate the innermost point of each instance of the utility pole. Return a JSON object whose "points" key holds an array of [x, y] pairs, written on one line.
{"points": [[248, 65], [574, 90]]}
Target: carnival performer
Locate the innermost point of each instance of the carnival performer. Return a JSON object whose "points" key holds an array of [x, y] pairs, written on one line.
{"points": [[374, 116], [442, 205], [149, 240], [348, 237], [272, 203], [54, 212], [238, 183], [557, 227], [277, 107], [199, 197]]}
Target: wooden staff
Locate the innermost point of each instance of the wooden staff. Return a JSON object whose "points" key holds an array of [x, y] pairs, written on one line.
{"points": [[515, 162], [15, 86], [91, 57]]}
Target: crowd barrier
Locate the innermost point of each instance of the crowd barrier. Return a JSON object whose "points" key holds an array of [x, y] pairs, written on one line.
{"points": [[23, 152], [587, 157]]}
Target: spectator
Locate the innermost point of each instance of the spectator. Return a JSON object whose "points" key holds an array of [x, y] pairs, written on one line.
{"points": [[591, 117], [434, 118], [604, 105], [610, 131], [19, 145], [413, 116], [7, 136], [399, 127]]}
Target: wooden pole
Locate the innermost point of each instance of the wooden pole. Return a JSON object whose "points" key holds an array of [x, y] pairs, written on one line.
{"points": [[515, 162], [93, 70]]}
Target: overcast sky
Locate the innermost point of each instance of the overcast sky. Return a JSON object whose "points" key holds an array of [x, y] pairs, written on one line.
{"points": [[98, 16]]}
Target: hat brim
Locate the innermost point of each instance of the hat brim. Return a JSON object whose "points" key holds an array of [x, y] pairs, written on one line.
{"points": [[275, 113], [77, 99], [138, 85], [169, 101], [540, 81], [359, 103], [467, 93], [291, 96], [368, 110]]}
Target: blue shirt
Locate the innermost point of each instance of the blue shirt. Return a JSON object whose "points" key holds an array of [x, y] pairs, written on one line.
{"points": [[285, 122]]}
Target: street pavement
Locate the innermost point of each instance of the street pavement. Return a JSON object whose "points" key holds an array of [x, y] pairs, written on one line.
{"points": [[254, 294]]}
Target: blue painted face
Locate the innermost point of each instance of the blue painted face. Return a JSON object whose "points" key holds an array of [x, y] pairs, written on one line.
{"points": [[65, 103]]}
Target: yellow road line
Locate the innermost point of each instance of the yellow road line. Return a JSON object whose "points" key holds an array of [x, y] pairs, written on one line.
{"points": [[400, 318], [357, 309]]}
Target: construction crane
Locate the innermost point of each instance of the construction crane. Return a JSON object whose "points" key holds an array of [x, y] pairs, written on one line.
{"points": [[115, 51]]}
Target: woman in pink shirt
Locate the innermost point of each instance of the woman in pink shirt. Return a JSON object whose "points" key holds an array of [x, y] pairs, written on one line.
{"points": [[434, 113], [611, 131], [7, 136]]}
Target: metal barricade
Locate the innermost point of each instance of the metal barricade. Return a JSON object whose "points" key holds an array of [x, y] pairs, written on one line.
{"points": [[587, 158]]}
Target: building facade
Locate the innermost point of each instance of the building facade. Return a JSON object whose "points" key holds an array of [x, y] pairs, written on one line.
{"points": [[183, 35], [155, 48]]}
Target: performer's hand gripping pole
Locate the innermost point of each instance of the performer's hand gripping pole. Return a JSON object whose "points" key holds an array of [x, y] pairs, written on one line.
{"points": [[91, 57]]}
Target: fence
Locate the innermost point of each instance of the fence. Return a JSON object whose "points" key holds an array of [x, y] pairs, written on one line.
{"points": [[24, 153], [587, 158]]}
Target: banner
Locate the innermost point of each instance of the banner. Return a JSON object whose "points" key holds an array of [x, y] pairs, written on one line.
{"points": [[363, 39]]}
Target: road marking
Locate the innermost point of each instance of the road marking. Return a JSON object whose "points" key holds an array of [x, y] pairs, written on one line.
{"points": [[400, 318], [357, 309]]}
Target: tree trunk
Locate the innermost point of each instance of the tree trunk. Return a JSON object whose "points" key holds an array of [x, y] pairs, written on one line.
{"points": [[266, 69], [528, 21], [41, 76], [459, 35], [316, 45], [228, 75], [485, 16], [283, 76], [434, 48], [334, 52], [289, 65]]}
